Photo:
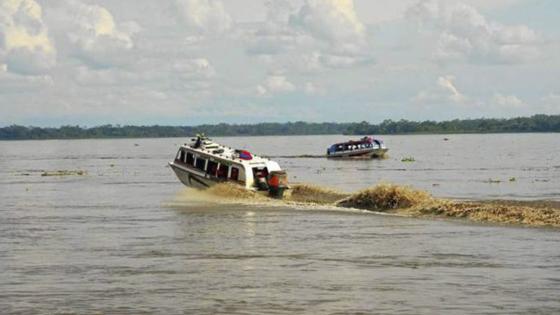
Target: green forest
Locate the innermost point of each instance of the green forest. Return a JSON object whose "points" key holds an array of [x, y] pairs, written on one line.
{"points": [[537, 123]]}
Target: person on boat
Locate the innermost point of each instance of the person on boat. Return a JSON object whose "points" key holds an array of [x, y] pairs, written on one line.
{"points": [[198, 142], [260, 178]]}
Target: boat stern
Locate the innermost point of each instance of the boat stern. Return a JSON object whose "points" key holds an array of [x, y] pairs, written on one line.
{"points": [[277, 184]]}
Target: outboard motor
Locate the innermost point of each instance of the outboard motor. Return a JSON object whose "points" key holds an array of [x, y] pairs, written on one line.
{"points": [[277, 184]]}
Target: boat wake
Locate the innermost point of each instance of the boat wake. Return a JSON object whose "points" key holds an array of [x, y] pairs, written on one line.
{"points": [[322, 156], [385, 199], [301, 156]]}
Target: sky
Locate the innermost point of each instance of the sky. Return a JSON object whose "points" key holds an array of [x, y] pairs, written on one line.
{"points": [[189, 62]]}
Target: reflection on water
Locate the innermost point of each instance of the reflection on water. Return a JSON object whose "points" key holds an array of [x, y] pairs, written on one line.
{"points": [[108, 243]]}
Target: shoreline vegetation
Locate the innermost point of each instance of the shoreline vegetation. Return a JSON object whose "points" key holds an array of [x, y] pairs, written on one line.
{"points": [[533, 124]]}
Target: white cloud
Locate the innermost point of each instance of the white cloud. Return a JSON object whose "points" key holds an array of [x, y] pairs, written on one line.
{"points": [[93, 33], [99, 77], [175, 65], [335, 21], [186, 77], [507, 101], [96, 24], [466, 35], [26, 47], [275, 84], [274, 35], [318, 35], [194, 68], [445, 91], [447, 84], [376, 12], [205, 16]]}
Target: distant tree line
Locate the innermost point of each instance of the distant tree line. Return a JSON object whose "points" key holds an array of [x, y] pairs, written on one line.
{"points": [[537, 123]]}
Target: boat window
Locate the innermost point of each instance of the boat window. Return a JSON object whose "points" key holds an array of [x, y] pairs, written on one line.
{"points": [[234, 173], [212, 168], [181, 156], [200, 163], [260, 172], [222, 171], [190, 159]]}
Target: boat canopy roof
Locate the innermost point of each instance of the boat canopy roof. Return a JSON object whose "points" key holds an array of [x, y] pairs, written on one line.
{"points": [[204, 146], [364, 140]]}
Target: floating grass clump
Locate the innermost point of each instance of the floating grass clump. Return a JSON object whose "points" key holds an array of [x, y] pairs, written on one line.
{"points": [[64, 173], [408, 201], [385, 197], [408, 159], [496, 212]]}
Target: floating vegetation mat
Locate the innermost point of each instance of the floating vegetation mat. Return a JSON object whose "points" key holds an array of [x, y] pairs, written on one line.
{"points": [[385, 197], [64, 173], [400, 200], [491, 212], [409, 201]]}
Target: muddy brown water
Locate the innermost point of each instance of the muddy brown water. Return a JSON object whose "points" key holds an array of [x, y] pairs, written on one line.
{"points": [[117, 240]]}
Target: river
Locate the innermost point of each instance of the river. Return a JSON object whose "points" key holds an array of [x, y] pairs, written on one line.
{"points": [[118, 241]]}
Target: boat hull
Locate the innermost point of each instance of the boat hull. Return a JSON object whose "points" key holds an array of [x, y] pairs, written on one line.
{"points": [[192, 178], [364, 154]]}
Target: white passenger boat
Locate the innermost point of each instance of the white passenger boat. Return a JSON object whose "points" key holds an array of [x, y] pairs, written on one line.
{"points": [[367, 147], [203, 163]]}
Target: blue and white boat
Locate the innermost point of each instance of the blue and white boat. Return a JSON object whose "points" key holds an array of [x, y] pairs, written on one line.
{"points": [[366, 147]]}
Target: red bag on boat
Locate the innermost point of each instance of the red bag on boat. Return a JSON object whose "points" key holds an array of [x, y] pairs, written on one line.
{"points": [[245, 155]]}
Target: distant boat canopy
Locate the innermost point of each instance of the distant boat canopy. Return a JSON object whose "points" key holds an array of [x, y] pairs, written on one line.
{"points": [[365, 147]]}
